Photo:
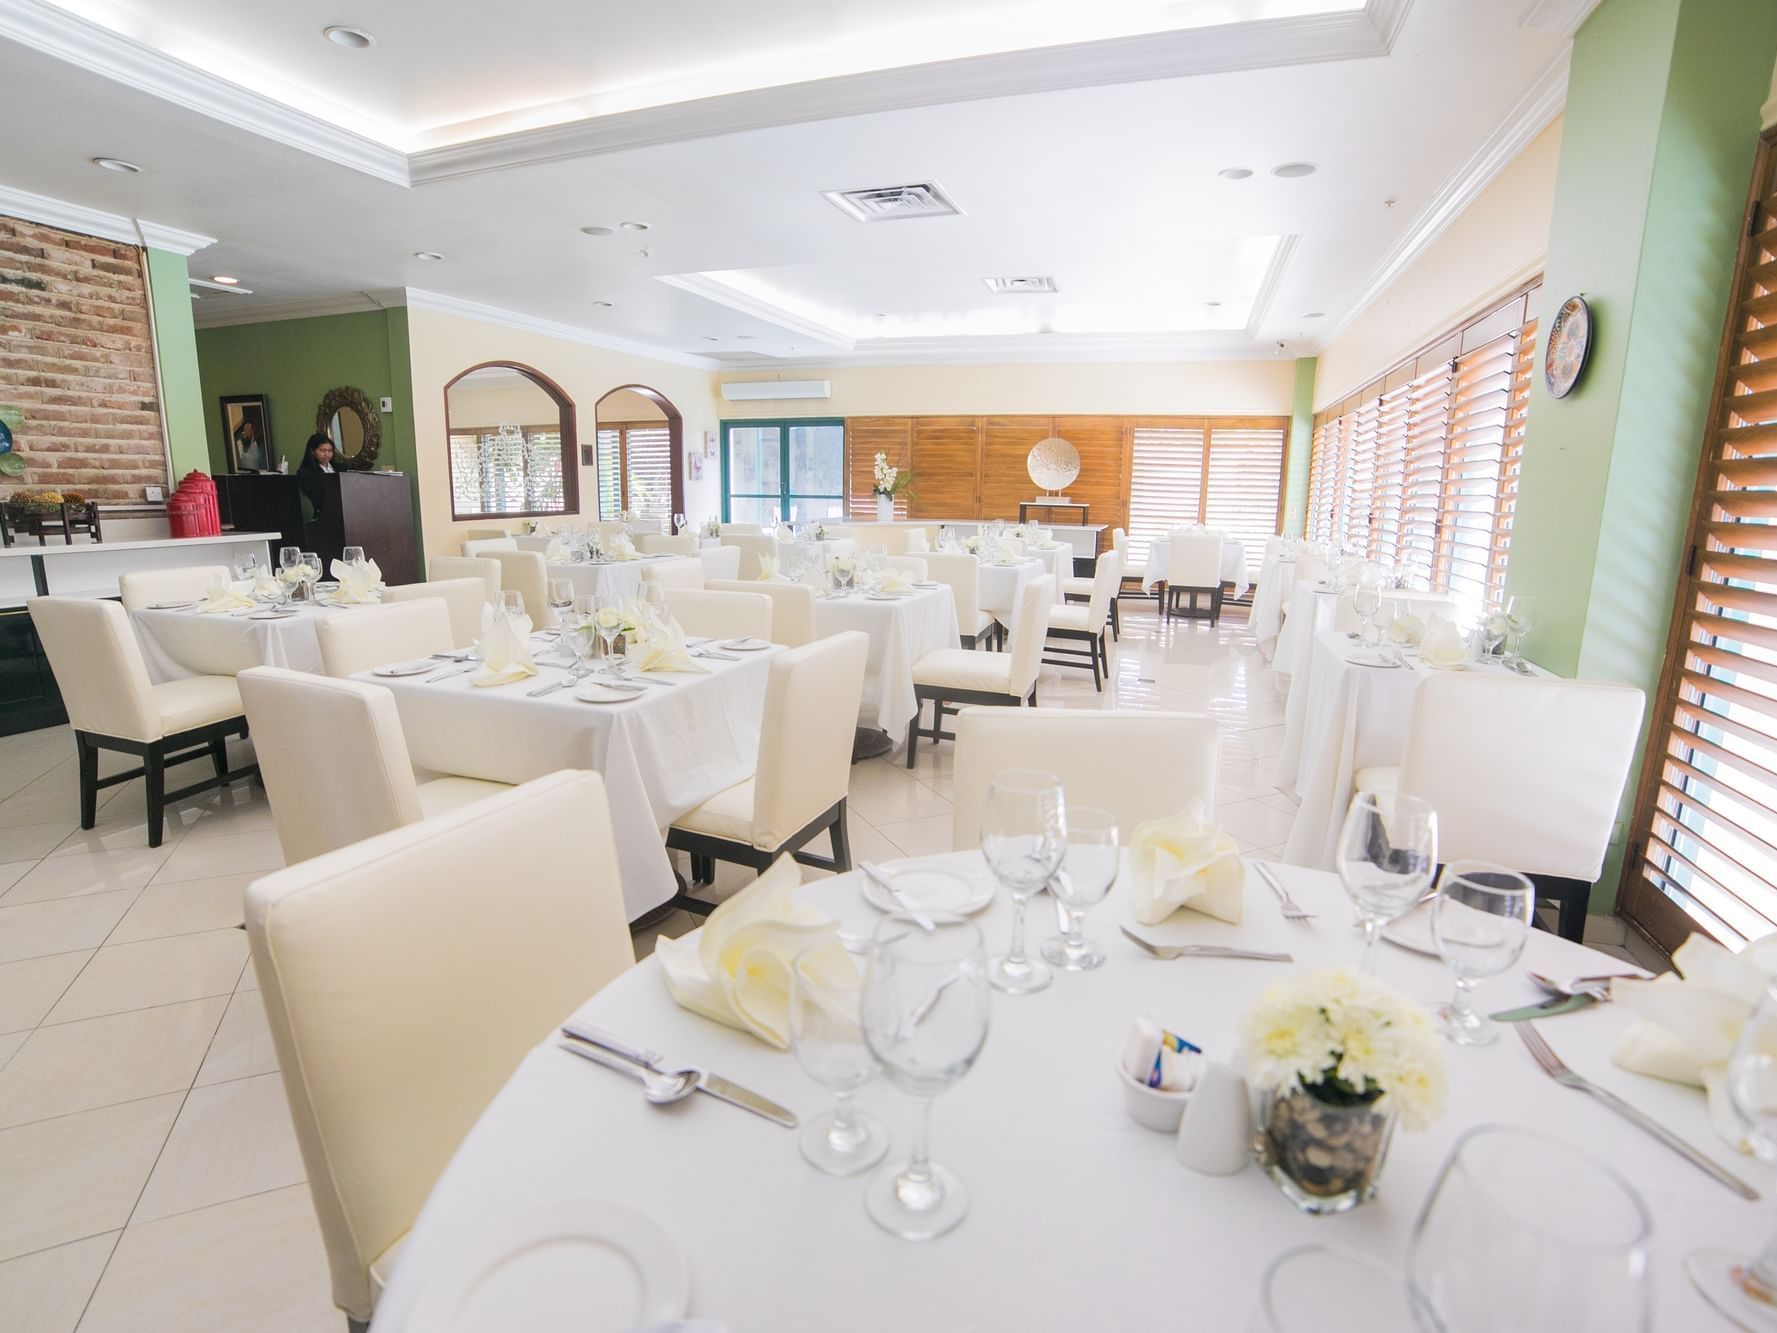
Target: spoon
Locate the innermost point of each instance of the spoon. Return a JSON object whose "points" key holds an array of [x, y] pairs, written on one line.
{"points": [[1598, 988], [657, 1087]]}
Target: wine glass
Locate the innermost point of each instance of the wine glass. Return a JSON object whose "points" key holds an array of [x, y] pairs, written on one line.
{"points": [[1525, 1231], [1479, 921], [826, 995], [1387, 848], [1023, 838], [1744, 1286], [1366, 601], [924, 1015], [246, 565], [609, 619], [352, 555], [678, 523], [1520, 616], [512, 603], [561, 598], [289, 557], [841, 571], [1088, 869], [1325, 1289]]}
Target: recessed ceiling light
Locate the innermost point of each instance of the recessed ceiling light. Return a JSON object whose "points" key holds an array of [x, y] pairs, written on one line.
{"points": [[599, 231], [427, 254], [117, 164], [225, 280], [1315, 314], [601, 305], [1234, 173], [353, 39], [745, 337], [1291, 170], [633, 226], [1213, 305], [708, 339]]}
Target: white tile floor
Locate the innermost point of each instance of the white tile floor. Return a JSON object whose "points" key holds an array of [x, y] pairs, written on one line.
{"points": [[149, 1177]]}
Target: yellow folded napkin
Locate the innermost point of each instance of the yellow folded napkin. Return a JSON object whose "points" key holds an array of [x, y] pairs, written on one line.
{"points": [[558, 552], [620, 547], [896, 580], [358, 584], [228, 595], [1186, 861], [1442, 645], [1407, 629], [1688, 1024], [266, 587], [768, 570], [504, 648], [736, 970], [663, 648]]}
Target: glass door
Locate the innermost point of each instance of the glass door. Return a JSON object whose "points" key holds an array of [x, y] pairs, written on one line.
{"points": [[788, 468]]}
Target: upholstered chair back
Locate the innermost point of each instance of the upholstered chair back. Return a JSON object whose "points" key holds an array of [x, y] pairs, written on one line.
{"points": [[525, 573], [1194, 559], [913, 566], [373, 636], [792, 607], [658, 543], [962, 572], [487, 545], [721, 615], [98, 666], [462, 598], [442, 567], [751, 548], [1107, 576], [674, 573], [805, 739], [1030, 626], [144, 587]]}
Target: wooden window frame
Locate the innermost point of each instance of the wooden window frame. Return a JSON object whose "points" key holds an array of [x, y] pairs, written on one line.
{"points": [[570, 445], [675, 435]]}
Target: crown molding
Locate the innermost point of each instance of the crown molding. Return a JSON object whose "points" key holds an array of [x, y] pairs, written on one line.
{"points": [[439, 303], [219, 313], [1527, 118], [1561, 17], [55, 32], [1029, 349], [714, 289], [1268, 285], [48, 212]]}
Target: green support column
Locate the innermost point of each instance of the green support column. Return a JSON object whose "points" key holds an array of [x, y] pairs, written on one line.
{"points": [[1295, 490], [1661, 125], [175, 339], [398, 423]]}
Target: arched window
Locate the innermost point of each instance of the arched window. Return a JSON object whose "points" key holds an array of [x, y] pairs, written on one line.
{"points": [[513, 448], [640, 439]]}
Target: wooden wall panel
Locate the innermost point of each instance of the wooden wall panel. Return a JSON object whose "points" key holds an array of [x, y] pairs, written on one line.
{"points": [[946, 467], [1004, 478], [1103, 482], [865, 437]]}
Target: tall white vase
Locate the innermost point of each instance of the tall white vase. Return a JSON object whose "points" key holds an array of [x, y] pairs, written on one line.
{"points": [[885, 509]]}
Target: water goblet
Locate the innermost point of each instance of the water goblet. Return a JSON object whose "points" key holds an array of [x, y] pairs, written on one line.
{"points": [[561, 597], [1387, 848], [826, 996], [1366, 601], [246, 565], [1479, 921], [1088, 869], [289, 557], [352, 555], [1023, 838], [1324, 1289], [1520, 617]]}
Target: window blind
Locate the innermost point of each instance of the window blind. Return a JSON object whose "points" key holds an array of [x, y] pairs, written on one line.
{"points": [[635, 469], [1245, 485], [1165, 484]]}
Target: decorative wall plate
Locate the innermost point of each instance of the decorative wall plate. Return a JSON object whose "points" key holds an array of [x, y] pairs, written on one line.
{"points": [[1570, 342], [1053, 463]]}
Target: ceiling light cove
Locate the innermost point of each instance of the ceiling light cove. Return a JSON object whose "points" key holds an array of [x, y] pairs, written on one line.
{"points": [[1235, 173], [1290, 171], [429, 255], [353, 39], [117, 164], [598, 231]]}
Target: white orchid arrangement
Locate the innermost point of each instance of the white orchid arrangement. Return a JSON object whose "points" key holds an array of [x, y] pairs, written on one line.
{"points": [[712, 527], [887, 479], [1348, 1040], [972, 545]]}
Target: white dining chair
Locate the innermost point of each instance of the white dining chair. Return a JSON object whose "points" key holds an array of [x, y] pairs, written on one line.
{"points": [[798, 788], [739, 530], [658, 543], [913, 566], [721, 615], [405, 977], [916, 541], [719, 562], [462, 598], [1088, 624], [373, 636], [487, 545], [1524, 773], [1193, 569], [751, 547], [442, 567], [112, 705], [950, 677], [334, 761], [526, 573], [676, 573], [486, 534], [1139, 765], [1079, 587], [962, 572], [792, 607], [144, 587]]}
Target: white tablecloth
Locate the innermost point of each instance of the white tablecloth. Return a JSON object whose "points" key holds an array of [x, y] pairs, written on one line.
{"points": [[177, 644], [1277, 575], [901, 632], [670, 749], [1311, 610], [600, 578], [1233, 565], [1079, 1218], [1001, 585], [1057, 561]]}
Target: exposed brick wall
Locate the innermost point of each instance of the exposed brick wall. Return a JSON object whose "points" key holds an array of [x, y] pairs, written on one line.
{"points": [[77, 358]]}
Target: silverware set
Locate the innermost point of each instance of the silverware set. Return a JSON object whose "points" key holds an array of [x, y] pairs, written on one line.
{"points": [[664, 1086]]}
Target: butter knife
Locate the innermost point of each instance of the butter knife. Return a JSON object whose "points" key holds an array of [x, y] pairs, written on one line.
{"points": [[1558, 1004]]}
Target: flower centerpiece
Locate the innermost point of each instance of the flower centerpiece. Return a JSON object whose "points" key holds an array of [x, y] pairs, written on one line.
{"points": [[886, 482], [972, 544], [712, 527], [1338, 1057]]}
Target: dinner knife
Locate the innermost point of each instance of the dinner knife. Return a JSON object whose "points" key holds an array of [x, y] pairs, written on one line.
{"points": [[1557, 1004], [723, 1089], [921, 918]]}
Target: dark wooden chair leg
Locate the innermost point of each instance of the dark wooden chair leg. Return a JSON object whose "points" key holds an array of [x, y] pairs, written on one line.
{"points": [[89, 780], [1116, 621], [840, 837], [1097, 679], [219, 757], [154, 777], [913, 730]]}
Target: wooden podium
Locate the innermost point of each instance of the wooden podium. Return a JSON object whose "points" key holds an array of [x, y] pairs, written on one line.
{"points": [[369, 509]]}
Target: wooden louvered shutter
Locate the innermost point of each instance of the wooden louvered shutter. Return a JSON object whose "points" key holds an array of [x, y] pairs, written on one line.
{"points": [[648, 470], [1391, 466], [1422, 482], [1323, 465], [1244, 491], [1706, 821], [1359, 482], [1480, 403], [1511, 464], [1166, 482]]}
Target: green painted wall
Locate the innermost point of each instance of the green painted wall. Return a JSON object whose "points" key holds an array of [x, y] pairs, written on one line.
{"points": [[294, 362], [182, 401], [1656, 154], [1295, 489]]}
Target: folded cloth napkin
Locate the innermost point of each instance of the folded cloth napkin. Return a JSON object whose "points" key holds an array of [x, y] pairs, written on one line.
{"points": [[558, 552], [1689, 1022], [266, 586], [504, 648], [1443, 644], [620, 547], [229, 595], [736, 970], [916, 541], [1186, 861], [663, 648], [768, 572], [1407, 629], [358, 584], [896, 580]]}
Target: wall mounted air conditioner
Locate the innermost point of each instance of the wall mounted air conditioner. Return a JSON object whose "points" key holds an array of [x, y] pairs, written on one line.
{"points": [[754, 391]]}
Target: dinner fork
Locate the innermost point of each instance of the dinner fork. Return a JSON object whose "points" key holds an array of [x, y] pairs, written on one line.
{"points": [[1292, 911], [1170, 951], [446, 675], [1555, 1068]]}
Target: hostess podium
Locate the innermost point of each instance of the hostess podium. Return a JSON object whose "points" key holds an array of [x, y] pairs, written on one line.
{"points": [[369, 509]]}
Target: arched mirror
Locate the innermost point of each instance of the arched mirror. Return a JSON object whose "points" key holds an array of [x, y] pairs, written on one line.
{"points": [[640, 442], [348, 418], [513, 449]]}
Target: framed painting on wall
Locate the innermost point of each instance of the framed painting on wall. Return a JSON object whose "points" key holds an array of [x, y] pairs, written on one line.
{"points": [[246, 426]]}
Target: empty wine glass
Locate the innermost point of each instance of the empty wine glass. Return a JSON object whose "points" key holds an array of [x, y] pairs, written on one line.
{"points": [[1744, 1286], [1387, 848], [561, 597], [924, 1012], [289, 557], [246, 565], [1366, 601], [1023, 838], [1325, 1289], [1520, 617], [1479, 921], [678, 523], [826, 995], [609, 618], [1525, 1231], [1088, 869], [512, 602], [352, 555]]}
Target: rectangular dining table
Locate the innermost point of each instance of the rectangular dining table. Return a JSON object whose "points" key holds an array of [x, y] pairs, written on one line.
{"points": [[188, 642], [901, 629], [662, 753]]}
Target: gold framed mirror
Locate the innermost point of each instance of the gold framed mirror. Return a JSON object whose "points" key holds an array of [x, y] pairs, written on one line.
{"points": [[349, 419]]}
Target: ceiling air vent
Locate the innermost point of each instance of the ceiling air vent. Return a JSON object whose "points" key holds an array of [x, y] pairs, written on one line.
{"points": [[1019, 286], [888, 203]]}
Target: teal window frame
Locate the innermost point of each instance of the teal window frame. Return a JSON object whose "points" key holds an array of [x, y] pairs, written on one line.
{"points": [[784, 496]]}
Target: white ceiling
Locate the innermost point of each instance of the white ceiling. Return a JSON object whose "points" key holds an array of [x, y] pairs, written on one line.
{"points": [[1109, 187]]}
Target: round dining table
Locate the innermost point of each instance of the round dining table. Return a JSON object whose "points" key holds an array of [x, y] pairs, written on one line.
{"points": [[1079, 1217]]}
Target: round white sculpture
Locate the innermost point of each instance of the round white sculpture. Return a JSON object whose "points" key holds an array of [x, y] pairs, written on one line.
{"points": [[1053, 463]]}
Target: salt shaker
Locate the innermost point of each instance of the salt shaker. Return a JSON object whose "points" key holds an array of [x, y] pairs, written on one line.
{"points": [[1215, 1136]]}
